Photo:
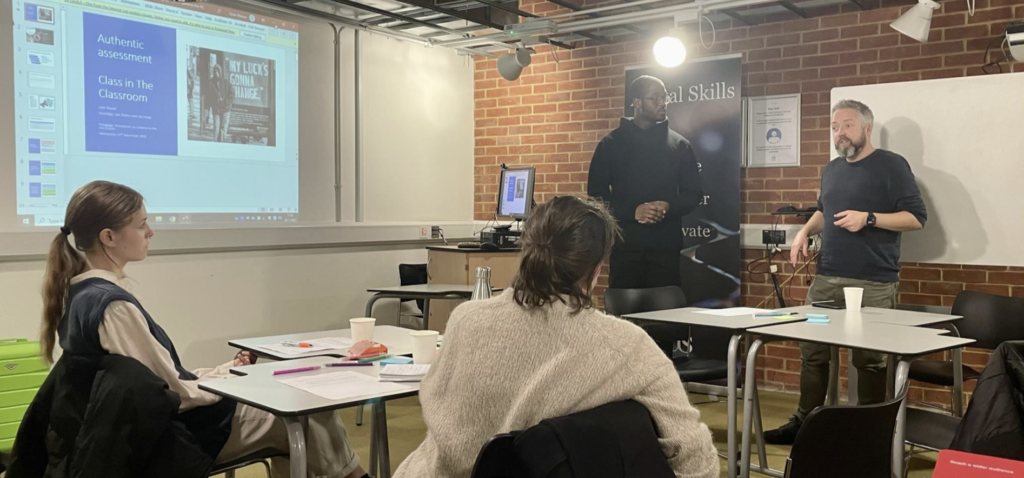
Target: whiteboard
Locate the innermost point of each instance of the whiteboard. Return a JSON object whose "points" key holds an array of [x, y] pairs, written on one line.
{"points": [[964, 140]]}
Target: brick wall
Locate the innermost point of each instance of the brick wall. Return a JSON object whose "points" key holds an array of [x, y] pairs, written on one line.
{"points": [[554, 115]]}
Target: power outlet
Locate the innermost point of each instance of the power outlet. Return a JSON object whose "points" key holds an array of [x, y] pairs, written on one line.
{"points": [[430, 232], [773, 237]]}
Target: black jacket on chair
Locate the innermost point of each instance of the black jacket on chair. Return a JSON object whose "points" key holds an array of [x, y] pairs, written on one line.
{"points": [[611, 441], [994, 422], [106, 418]]}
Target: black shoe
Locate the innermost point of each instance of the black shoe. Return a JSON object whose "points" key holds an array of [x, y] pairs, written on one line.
{"points": [[786, 434]]}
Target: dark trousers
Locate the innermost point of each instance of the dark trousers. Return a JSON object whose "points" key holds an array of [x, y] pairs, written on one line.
{"points": [[814, 371], [638, 270]]}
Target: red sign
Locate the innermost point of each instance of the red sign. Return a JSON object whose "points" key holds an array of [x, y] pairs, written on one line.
{"points": [[957, 464]]}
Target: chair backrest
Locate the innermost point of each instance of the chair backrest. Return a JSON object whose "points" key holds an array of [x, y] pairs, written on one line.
{"points": [[705, 342], [619, 302], [845, 442], [989, 319], [497, 459], [412, 274], [616, 439]]}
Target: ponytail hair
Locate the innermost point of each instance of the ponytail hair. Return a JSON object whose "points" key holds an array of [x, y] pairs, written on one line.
{"points": [[94, 207], [564, 241]]}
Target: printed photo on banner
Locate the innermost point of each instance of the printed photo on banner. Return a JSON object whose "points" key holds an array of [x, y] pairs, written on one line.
{"points": [[230, 98]]}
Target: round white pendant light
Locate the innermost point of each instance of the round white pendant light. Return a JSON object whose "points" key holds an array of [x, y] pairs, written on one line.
{"points": [[669, 52]]}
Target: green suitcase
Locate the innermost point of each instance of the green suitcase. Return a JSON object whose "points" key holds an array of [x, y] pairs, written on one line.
{"points": [[22, 372], [12, 414]]}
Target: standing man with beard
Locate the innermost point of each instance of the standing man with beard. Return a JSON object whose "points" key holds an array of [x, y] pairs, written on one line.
{"points": [[870, 197], [648, 174]]}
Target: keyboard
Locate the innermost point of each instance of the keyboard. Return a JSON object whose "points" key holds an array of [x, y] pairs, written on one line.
{"points": [[469, 245]]}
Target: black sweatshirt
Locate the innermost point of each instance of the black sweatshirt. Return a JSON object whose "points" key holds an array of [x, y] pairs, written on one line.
{"points": [[632, 166], [880, 183]]}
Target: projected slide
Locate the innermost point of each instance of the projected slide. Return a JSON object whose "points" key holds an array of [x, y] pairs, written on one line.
{"points": [[194, 105]]}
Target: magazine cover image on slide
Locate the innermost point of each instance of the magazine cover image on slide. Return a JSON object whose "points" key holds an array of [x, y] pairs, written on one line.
{"points": [[231, 97]]}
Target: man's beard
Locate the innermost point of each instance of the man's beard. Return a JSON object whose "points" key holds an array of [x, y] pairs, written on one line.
{"points": [[851, 149]]}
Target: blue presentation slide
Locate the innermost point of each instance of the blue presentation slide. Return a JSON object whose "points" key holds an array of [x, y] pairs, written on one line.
{"points": [[194, 105], [131, 86]]}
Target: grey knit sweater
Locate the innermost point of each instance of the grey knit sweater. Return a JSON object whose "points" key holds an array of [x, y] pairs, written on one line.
{"points": [[503, 367]]}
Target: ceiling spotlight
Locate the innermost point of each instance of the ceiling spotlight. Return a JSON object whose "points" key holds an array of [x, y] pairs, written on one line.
{"points": [[917, 21], [511, 65], [669, 51]]}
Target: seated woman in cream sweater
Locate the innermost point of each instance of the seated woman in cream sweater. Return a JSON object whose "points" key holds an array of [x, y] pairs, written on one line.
{"points": [[540, 350]]}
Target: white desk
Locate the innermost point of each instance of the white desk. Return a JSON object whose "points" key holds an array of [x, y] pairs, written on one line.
{"points": [[257, 387], [905, 342], [886, 316], [397, 340], [425, 292], [739, 325]]}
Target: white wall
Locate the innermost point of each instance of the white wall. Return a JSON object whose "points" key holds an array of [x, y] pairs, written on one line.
{"points": [[417, 131], [204, 300]]}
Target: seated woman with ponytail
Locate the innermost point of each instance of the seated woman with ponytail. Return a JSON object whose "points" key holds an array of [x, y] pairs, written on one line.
{"points": [[541, 350], [89, 308]]}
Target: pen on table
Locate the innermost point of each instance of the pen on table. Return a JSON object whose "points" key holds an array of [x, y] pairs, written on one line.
{"points": [[297, 344], [349, 364], [374, 359], [775, 314], [296, 370]]}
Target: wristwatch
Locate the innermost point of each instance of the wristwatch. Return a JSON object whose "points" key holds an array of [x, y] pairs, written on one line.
{"points": [[871, 219]]}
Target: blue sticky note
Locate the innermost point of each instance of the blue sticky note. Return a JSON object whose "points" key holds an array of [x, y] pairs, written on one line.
{"points": [[396, 361]]}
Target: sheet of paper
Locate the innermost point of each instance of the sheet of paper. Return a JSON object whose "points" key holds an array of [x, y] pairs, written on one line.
{"points": [[294, 351], [343, 343], [405, 369], [342, 385], [317, 345], [735, 311]]}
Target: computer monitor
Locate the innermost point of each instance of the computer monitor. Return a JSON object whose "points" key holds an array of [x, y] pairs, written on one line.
{"points": [[515, 193]]}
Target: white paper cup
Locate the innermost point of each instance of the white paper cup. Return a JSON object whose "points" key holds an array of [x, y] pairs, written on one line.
{"points": [[854, 296], [362, 328], [424, 345]]}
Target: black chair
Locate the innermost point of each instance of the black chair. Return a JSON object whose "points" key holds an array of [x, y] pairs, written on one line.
{"points": [[497, 459], [614, 439], [988, 319], [412, 274], [709, 348], [261, 457], [845, 442]]}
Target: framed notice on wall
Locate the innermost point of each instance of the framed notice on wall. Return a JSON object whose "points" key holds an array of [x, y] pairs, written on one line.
{"points": [[773, 131]]}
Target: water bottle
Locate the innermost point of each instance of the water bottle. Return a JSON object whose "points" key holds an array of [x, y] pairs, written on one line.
{"points": [[482, 289]]}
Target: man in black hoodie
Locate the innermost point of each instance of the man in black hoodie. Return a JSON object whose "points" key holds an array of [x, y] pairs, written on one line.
{"points": [[648, 174]]}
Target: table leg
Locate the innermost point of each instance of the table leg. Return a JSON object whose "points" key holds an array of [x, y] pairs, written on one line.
{"points": [[958, 383], [296, 445], [730, 431], [374, 441], [369, 304], [890, 370], [902, 376], [426, 314], [381, 424], [748, 406], [833, 377], [762, 454]]}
